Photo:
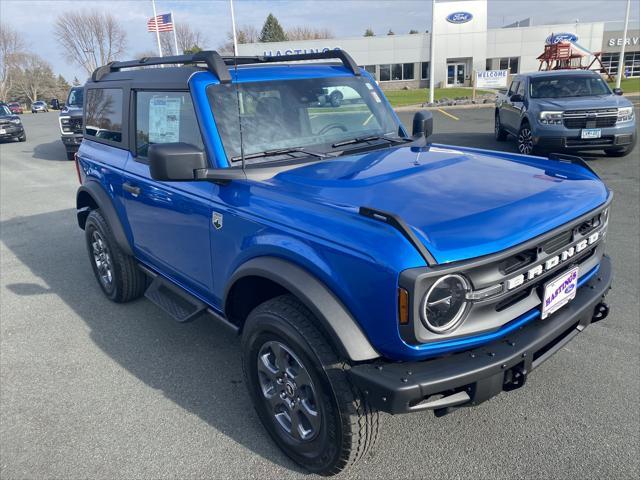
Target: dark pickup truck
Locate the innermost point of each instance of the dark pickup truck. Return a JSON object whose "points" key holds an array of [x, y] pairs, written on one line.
{"points": [[71, 121], [565, 110]]}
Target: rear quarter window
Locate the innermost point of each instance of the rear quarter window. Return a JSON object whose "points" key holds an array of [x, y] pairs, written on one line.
{"points": [[103, 114]]}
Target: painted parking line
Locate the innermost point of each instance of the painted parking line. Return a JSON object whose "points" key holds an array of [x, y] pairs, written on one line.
{"points": [[447, 114]]}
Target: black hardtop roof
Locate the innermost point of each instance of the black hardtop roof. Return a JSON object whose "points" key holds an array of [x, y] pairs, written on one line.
{"points": [[135, 70]]}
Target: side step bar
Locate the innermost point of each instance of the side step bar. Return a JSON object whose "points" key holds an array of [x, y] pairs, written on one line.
{"points": [[180, 305], [174, 301]]}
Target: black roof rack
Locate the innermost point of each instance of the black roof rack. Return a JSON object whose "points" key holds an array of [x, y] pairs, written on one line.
{"points": [[219, 65]]}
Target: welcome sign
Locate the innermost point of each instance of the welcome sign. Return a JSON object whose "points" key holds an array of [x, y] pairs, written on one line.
{"points": [[491, 78]]}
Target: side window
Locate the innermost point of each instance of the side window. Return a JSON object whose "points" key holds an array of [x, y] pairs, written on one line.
{"points": [[103, 114], [520, 90], [513, 87], [165, 117]]}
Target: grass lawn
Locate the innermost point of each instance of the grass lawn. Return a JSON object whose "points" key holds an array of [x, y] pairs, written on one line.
{"points": [[628, 85], [399, 98]]}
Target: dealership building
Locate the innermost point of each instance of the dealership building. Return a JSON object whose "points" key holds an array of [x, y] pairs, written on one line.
{"points": [[464, 44]]}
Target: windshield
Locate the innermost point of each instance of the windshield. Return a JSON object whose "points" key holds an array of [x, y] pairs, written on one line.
{"points": [[312, 113], [4, 110], [568, 86], [75, 97]]}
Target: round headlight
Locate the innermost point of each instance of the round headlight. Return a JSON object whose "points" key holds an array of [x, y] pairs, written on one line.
{"points": [[444, 305]]}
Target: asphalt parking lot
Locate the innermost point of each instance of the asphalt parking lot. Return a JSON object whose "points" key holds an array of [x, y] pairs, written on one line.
{"points": [[93, 389]]}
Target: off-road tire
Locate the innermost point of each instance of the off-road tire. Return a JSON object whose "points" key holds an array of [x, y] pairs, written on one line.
{"points": [[128, 281], [349, 426]]}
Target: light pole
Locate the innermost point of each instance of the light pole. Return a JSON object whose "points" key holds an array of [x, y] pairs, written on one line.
{"points": [[432, 52], [624, 43]]}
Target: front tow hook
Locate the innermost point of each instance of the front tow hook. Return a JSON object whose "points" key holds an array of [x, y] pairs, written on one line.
{"points": [[600, 312]]}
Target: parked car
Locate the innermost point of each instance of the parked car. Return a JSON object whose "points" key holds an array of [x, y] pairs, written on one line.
{"points": [[55, 104], [39, 106], [70, 120], [15, 107], [565, 110], [11, 127], [366, 268]]}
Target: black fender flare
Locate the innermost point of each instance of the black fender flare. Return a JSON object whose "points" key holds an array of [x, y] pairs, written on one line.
{"points": [[336, 321], [102, 201]]}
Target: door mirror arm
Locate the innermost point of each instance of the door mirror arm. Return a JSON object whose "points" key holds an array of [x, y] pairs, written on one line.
{"points": [[221, 176]]}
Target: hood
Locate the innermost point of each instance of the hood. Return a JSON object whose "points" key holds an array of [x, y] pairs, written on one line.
{"points": [[582, 103], [7, 118], [71, 111], [461, 203]]}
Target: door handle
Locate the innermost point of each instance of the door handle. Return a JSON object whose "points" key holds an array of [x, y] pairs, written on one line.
{"points": [[132, 189]]}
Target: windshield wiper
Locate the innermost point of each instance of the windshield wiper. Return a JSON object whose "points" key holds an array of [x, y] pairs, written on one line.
{"points": [[280, 151], [370, 138]]}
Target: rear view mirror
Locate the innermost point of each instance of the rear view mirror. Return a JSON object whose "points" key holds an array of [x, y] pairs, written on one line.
{"points": [[422, 124], [171, 162], [617, 91]]}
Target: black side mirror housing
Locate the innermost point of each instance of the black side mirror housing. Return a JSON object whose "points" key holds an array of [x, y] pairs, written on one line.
{"points": [[617, 91], [183, 162], [516, 97], [175, 162], [422, 124]]}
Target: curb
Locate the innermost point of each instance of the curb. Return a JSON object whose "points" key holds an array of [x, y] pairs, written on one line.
{"points": [[419, 106]]}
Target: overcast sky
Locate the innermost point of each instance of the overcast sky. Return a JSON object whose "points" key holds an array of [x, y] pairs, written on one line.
{"points": [[35, 19]]}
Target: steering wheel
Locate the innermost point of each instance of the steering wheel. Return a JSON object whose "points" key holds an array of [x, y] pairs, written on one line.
{"points": [[331, 126]]}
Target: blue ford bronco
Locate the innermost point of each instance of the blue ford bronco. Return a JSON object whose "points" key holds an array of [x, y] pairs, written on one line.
{"points": [[366, 269]]}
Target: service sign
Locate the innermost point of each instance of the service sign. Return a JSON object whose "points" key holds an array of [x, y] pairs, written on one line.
{"points": [[459, 17], [492, 79]]}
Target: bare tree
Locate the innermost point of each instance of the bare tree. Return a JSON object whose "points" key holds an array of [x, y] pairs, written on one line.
{"points": [[308, 33], [11, 51], [90, 39], [244, 34], [34, 77], [186, 36]]}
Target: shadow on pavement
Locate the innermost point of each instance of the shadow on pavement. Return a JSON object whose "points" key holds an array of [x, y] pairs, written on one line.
{"points": [[196, 365], [50, 151]]}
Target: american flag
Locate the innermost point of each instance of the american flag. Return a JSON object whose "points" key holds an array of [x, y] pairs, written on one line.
{"points": [[164, 23]]}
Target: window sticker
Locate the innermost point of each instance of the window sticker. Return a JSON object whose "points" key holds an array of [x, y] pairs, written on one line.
{"points": [[375, 96], [369, 86], [164, 120]]}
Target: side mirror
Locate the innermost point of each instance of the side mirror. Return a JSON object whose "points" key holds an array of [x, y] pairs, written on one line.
{"points": [[617, 91], [183, 162], [172, 162], [422, 124], [516, 97]]}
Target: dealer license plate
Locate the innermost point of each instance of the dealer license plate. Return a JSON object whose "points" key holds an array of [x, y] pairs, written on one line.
{"points": [[559, 291], [2, 131], [590, 133]]}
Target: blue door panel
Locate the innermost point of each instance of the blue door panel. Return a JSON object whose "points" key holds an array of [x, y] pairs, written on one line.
{"points": [[170, 225]]}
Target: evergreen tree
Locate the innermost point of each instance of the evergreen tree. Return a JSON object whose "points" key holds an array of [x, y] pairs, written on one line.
{"points": [[390, 32], [369, 33], [413, 31], [193, 49], [76, 82], [272, 31]]}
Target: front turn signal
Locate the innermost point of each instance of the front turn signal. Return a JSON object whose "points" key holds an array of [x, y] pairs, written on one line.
{"points": [[403, 306]]}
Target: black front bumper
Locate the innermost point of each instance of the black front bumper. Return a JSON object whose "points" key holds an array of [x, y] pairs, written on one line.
{"points": [[72, 142], [11, 132], [471, 377], [625, 140]]}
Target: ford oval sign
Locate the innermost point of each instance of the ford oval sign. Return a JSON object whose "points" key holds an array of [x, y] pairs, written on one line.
{"points": [[459, 17], [561, 37]]}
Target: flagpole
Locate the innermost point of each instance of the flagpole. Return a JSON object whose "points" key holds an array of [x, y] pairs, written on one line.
{"points": [[432, 53], [624, 43], [175, 38], [233, 29], [155, 19]]}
